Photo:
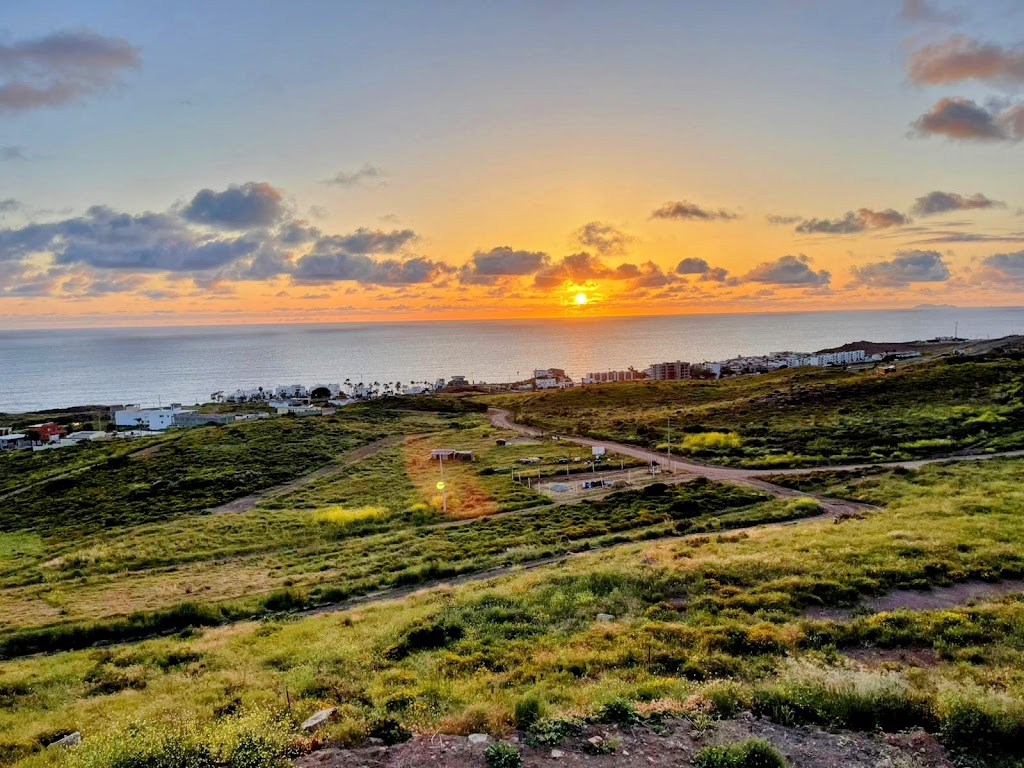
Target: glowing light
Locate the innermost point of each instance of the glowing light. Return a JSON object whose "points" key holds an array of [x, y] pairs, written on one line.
{"points": [[581, 298]]}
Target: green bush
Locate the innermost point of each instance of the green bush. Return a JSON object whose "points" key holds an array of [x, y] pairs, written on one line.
{"points": [[529, 710], [755, 753], [501, 754]]}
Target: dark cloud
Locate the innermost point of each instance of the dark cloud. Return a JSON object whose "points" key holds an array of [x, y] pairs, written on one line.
{"points": [[507, 261], [12, 152], [964, 120], [935, 237], [244, 206], [692, 266], [646, 275], [964, 58], [854, 221], [603, 238], [788, 270], [685, 211], [942, 202], [782, 220], [108, 239], [61, 68], [922, 11], [297, 233], [324, 267], [365, 241], [905, 268], [1006, 267], [352, 178], [9, 206], [719, 275]]}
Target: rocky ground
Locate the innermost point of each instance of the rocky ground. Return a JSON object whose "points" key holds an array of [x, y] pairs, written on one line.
{"points": [[804, 747]]}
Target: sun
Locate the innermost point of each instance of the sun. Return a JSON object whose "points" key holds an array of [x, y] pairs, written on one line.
{"points": [[581, 299]]}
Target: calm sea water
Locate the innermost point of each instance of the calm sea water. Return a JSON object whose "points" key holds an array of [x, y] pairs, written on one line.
{"points": [[54, 368]]}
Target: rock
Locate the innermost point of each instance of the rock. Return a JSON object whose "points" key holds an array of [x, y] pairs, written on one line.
{"points": [[557, 753], [596, 740], [71, 740], [605, 617], [373, 741], [478, 738], [318, 719]]}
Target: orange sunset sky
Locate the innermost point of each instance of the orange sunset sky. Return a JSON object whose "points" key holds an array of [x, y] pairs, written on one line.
{"points": [[248, 162]]}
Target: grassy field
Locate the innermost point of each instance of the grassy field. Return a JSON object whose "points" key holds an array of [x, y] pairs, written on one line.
{"points": [[801, 417], [704, 625]]}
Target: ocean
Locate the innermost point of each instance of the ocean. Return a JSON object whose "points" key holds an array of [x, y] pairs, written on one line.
{"points": [[153, 365]]}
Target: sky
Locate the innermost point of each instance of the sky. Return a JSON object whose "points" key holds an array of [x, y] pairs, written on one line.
{"points": [[168, 163]]}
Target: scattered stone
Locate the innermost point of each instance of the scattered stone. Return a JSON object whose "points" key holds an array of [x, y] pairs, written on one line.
{"points": [[556, 754], [318, 719], [71, 740], [478, 738], [605, 617]]}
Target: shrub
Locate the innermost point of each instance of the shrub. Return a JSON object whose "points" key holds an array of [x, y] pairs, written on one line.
{"points": [[339, 515], [529, 710], [620, 711], [754, 753], [389, 730], [501, 754]]}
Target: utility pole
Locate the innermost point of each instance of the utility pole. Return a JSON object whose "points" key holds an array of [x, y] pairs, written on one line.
{"points": [[444, 488], [670, 445]]}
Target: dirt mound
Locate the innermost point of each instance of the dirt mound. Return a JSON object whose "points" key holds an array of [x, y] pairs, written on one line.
{"points": [[804, 747], [932, 599]]}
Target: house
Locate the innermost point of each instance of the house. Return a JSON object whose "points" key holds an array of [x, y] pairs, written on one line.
{"points": [[194, 419], [151, 419], [49, 431], [442, 453], [456, 382], [86, 436], [13, 440]]}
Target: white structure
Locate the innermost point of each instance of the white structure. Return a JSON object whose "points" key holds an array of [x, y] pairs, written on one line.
{"points": [[552, 383], [292, 390], [152, 419]]}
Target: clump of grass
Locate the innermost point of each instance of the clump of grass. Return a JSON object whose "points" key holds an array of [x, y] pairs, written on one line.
{"points": [[256, 739], [528, 712], [339, 515], [754, 753]]}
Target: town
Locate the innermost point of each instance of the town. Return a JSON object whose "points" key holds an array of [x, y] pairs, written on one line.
{"points": [[298, 400]]}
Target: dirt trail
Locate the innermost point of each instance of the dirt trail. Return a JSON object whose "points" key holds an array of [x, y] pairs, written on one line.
{"points": [[932, 599], [246, 503]]}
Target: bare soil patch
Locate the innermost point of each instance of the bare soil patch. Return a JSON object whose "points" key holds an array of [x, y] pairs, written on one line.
{"points": [[804, 747]]}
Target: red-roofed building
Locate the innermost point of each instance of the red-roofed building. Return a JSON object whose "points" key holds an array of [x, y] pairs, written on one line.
{"points": [[49, 432]]}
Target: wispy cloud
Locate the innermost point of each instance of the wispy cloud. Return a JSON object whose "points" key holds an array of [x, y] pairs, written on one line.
{"points": [[61, 68], [935, 203], [686, 211], [960, 58], [960, 119], [854, 221], [354, 178], [904, 268]]}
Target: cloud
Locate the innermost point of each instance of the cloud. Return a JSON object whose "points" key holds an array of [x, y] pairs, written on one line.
{"points": [[963, 120], [685, 211], [9, 205], [12, 152], [240, 206], [964, 58], [782, 220], [646, 275], [1005, 267], [922, 11], [507, 261], [603, 238], [576, 268], [365, 240], [787, 270], [61, 68], [329, 267], [108, 239], [854, 221], [692, 266], [942, 202], [905, 268], [353, 178]]}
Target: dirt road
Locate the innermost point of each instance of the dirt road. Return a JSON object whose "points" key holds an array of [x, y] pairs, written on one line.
{"points": [[502, 418]]}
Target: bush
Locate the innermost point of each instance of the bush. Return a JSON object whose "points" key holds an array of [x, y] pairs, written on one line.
{"points": [[529, 710], [755, 753], [501, 754], [389, 730]]}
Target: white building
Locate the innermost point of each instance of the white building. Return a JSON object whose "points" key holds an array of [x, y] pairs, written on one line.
{"points": [[153, 419]]}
